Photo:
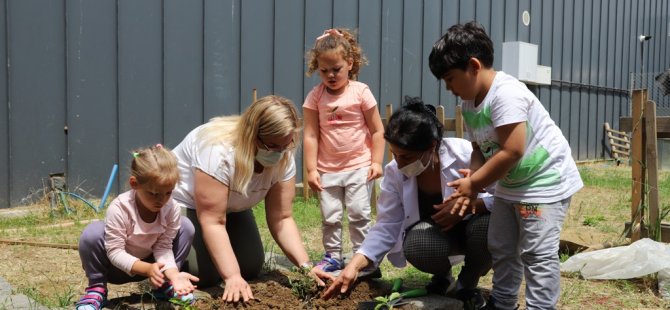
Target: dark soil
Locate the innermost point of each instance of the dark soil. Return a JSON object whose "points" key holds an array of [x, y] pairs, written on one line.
{"points": [[273, 291]]}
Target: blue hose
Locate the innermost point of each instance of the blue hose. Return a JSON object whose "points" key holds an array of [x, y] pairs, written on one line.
{"points": [[112, 176]]}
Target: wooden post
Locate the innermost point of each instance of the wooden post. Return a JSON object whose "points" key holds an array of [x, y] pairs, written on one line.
{"points": [[652, 170], [459, 122], [439, 110], [637, 162], [389, 111], [254, 95]]}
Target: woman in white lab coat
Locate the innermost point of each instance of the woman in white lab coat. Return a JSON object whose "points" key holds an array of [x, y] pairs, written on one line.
{"points": [[412, 222]]}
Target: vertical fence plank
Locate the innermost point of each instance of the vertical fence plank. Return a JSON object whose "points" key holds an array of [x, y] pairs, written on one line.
{"points": [[140, 76], [37, 75], [183, 69], [4, 113], [92, 93]]}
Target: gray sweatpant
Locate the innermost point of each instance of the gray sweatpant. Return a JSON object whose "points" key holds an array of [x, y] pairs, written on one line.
{"points": [[244, 239], [348, 190], [523, 241], [98, 268]]}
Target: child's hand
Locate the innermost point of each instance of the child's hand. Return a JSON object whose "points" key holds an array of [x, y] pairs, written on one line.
{"points": [[156, 275], [375, 171], [314, 181], [462, 196], [182, 283]]}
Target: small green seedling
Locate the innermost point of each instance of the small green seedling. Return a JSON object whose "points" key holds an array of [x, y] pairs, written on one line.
{"points": [[303, 286], [386, 302]]}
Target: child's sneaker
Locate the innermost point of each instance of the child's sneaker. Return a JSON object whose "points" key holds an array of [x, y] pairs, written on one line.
{"points": [[166, 292], [329, 264], [95, 298]]}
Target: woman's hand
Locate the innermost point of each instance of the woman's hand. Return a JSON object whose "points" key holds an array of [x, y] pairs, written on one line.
{"points": [[342, 283], [182, 283], [444, 217], [318, 275], [236, 288], [314, 181], [375, 171]]}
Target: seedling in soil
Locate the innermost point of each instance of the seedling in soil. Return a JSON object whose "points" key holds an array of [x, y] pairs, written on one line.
{"points": [[387, 302], [302, 285]]}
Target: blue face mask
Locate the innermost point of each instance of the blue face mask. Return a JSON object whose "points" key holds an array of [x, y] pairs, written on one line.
{"points": [[268, 158]]}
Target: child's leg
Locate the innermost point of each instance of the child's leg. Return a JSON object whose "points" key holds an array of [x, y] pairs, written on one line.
{"points": [[331, 199], [357, 200], [539, 243], [93, 254], [503, 239], [181, 245]]}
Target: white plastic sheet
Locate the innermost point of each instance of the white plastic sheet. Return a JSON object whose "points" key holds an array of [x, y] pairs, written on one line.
{"points": [[641, 258]]}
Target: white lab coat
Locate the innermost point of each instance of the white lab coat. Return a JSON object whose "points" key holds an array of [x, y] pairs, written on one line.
{"points": [[398, 204]]}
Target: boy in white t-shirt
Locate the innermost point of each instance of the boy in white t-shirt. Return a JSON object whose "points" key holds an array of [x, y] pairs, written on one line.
{"points": [[516, 143]]}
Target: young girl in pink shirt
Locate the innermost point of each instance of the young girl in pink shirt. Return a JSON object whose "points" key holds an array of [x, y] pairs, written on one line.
{"points": [[343, 141], [143, 235]]}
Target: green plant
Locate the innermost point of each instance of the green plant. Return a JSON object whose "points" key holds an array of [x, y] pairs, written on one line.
{"points": [[387, 302], [592, 220], [182, 304], [302, 284]]}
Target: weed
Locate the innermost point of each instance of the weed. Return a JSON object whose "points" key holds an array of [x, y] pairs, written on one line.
{"points": [[593, 220], [302, 285]]}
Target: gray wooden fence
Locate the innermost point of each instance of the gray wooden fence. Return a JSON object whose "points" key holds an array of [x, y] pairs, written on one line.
{"points": [[83, 82]]}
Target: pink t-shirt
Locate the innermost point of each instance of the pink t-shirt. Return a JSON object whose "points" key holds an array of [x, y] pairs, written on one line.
{"points": [[128, 238], [345, 142]]}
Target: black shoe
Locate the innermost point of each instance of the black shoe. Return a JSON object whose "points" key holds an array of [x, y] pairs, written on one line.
{"points": [[491, 305], [441, 285], [472, 299]]}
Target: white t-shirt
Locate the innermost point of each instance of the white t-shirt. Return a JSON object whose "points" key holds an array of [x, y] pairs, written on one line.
{"points": [[218, 161], [546, 172]]}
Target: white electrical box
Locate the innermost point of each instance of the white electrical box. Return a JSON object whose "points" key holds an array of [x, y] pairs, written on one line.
{"points": [[519, 59], [543, 75]]}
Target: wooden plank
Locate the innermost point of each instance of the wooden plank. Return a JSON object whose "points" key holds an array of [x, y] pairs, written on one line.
{"points": [[662, 124], [639, 97], [652, 167]]}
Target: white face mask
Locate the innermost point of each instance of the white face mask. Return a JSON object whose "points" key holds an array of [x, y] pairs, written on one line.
{"points": [[415, 168], [268, 158]]}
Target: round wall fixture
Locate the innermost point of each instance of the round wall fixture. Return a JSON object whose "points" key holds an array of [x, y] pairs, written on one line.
{"points": [[525, 18]]}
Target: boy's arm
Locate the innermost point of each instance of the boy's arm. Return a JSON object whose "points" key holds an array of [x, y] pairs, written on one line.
{"points": [[311, 147], [376, 127], [512, 139]]}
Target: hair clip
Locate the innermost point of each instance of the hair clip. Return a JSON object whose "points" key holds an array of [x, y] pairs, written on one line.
{"points": [[136, 154], [158, 146], [330, 32]]}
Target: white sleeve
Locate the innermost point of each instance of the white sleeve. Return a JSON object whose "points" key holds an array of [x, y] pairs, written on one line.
{"points": [[217, 161], [509, 106]]}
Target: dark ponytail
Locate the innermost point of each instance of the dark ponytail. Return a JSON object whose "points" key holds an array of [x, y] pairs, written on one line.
{"points": [[414, 126]]}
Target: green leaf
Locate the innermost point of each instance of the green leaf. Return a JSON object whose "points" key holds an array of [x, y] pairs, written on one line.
{"points": [[394, 296], [382, 299]]}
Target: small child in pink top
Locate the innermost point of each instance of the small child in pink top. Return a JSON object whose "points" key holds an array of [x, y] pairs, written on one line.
{"points": [[143, 236], [343, 142]]}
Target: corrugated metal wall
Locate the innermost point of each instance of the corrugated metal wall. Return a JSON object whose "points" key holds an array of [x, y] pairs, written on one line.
{"points": [[125, 73]]}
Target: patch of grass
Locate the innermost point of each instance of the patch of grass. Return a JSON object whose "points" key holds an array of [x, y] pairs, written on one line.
{"points": [[593, 220]]}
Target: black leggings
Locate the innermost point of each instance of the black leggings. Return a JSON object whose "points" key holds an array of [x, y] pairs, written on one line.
{"points": [[428, 249], [245, 240]]}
